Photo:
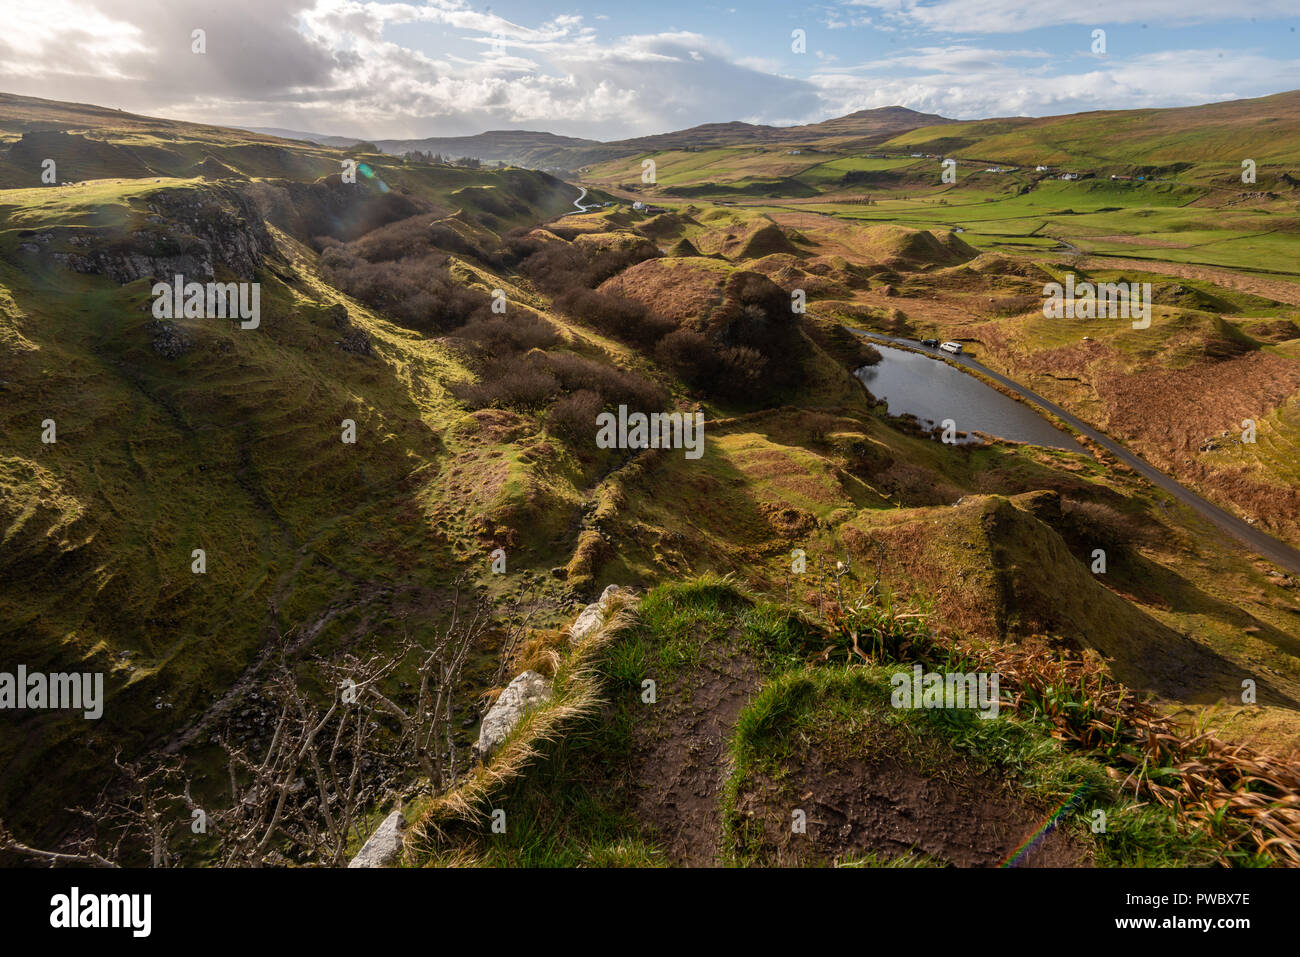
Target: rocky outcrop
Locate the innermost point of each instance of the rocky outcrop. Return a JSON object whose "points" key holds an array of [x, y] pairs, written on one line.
{"points": [[528, 690], [355, 340], [592, 617], [168, 341], [189, 232], [384, 846]]}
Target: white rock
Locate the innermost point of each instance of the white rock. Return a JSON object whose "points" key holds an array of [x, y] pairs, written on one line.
{"points": [[384, 846], [587, 622], [523, 694], [593, 616]]}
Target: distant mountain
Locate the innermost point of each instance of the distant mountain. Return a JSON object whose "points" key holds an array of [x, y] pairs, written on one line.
{"points": [[528, 148], [339, 141], [549, 151], [518, 147], [880, 123]]}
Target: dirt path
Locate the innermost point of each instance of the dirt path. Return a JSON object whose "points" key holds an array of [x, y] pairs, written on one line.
{"points": [[883, 805], [682, 758]]}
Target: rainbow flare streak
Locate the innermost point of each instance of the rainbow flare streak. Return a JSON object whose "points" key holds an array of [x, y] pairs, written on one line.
{"points": [[1014, 858]]}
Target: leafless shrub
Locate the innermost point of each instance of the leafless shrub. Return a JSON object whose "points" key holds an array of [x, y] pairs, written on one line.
{"points": [[417, 291], [509, 383], [613, 385], [574, 417], [617, 316], [500, 335], [344, 738]]}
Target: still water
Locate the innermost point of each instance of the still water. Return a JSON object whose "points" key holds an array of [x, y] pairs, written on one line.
{"points": [[933, 391]]}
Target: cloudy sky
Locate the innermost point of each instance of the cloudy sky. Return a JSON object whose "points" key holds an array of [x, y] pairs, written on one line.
{"points": [[614, 68]]}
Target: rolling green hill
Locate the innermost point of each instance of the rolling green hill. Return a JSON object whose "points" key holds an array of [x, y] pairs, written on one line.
{"points": [[466, 326], [1263, 129]]}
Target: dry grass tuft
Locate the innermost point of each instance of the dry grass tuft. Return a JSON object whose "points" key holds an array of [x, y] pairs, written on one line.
{"points": [[577, 695], [1249, 802]]}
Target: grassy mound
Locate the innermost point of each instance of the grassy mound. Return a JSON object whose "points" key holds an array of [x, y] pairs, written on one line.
{"points": [[900, 247], [728, 718]]}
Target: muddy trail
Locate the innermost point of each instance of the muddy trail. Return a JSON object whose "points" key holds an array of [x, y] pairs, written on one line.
{"points": [[682, 759], [873, 802], [885, 807]]}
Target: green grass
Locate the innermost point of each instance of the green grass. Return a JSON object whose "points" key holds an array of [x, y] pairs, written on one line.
{"points": [[840, 711], [1222, 133], [232, 447]]}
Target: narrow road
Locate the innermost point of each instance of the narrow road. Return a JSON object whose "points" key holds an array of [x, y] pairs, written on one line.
{"points": [[578, 202], [1275, 550]]}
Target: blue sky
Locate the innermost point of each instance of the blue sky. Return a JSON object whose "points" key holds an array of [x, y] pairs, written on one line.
{"points": [[606, 70]]}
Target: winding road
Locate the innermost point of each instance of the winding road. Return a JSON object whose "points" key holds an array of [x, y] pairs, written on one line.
{"points": [[581, 196], [1275, 550]]}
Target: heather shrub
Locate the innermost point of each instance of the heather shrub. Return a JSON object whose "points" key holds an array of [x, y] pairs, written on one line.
{"points": [[573, 418], [614, 386], [560, 267], [510, 382], [616, 316], [690, 356], [419, 293], [518, 331]]}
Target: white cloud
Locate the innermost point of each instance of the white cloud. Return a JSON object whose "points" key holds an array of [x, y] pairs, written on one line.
{"points": [[1017, 16], [955, 58], [1174, 78], [413, 69]]}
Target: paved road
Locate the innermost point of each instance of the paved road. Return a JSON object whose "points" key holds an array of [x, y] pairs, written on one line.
{"points": [[578, 202], [1275, 550]]}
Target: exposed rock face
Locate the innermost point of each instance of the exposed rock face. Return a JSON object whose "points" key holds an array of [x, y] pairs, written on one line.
{"points": [[357, 342], [198, 230], [384, 846], [528, 690]]}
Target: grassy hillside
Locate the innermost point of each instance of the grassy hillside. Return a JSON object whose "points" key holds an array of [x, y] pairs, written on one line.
{"points": [[769, 740], [471, 325], [548, 151], [1264, 129]]}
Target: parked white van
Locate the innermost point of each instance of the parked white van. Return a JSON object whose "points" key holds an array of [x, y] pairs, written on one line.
{"points": [[953, 347]]}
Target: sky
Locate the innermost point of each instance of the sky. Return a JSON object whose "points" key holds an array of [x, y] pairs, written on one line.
{"points": [[608, 70]]}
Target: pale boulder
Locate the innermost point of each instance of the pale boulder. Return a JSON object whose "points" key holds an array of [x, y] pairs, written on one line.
{"points": [[527, 691]]}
